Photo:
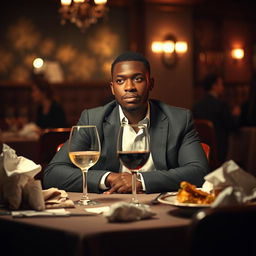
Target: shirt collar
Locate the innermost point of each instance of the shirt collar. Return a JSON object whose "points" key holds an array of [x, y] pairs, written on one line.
{"points": [[145, 120]]}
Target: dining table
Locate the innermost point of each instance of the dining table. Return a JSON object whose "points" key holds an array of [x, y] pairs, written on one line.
{"points": [[81, 233]]}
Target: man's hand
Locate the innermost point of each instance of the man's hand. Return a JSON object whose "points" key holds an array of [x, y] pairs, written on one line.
{"points": [[121, 183]]}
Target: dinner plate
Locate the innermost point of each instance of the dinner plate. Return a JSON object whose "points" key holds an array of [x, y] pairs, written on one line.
{"points": [[171, 199]]}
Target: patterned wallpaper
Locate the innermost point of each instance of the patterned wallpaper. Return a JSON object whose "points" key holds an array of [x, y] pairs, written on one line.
{"points": [[31, 29]]}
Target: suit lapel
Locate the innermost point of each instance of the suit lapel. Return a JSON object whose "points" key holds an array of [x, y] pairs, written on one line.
{"points": [[158, 137], [110, 130]]}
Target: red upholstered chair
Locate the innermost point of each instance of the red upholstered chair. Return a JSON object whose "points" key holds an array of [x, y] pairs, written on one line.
{"points": [[49, 141], [59, 147], [206, 149], [206, 133]]}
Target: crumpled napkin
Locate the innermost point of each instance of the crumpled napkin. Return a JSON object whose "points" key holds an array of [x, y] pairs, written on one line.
{"points": [[236, 186], [19, 189], [55, 198], [124, 212], [17, 185]]}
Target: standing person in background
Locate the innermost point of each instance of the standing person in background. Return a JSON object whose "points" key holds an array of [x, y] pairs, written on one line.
{"points": [[49, 113], [248, 108], [212, 108]]}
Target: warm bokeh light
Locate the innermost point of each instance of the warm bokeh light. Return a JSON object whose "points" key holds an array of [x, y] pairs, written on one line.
{"points": [[237, 53], [100, 1], [181, 47], [157, 47], [78, 1], [38, 63], [66, 2], [168, 46]]}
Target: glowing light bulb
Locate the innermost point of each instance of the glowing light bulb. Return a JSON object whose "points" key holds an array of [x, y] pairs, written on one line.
{"points": [[157, 47], [38, 63], [181, 47], [237, 53]]}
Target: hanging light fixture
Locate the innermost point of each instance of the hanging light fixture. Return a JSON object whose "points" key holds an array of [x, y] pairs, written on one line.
{"points": [[82, 13]]}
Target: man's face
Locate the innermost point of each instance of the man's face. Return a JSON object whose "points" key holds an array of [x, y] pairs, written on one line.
{"points": [[131, 85]]}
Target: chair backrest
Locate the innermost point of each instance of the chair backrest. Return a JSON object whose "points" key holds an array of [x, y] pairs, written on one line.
{"points": [[223, 231], [49, 141], [59, 147], [206, 133], [206, 149]]}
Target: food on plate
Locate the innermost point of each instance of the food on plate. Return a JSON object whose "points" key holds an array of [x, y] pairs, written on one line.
{"points": [[189, 193]]}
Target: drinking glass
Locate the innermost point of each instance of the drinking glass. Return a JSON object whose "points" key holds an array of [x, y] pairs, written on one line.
{"points": [[84, 152], [133, 152]]}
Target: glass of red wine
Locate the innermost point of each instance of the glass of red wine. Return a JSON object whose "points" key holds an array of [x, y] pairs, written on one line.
{"points": [[133, 151]]}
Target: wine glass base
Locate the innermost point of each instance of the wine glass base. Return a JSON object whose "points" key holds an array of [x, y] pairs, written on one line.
{"points": [[86, 202], [138, 204]]}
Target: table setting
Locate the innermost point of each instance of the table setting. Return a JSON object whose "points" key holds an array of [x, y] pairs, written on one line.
{"points": [[20, 192]]}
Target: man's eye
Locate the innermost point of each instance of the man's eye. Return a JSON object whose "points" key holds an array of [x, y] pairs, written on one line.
{"points": [[139, 79], [119, 81]]}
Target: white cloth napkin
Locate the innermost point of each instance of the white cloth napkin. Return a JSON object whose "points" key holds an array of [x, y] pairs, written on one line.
{"points": [[236, 185], [124, 212], [55, 198], [30, 130], [19, 189], [17, 181]]}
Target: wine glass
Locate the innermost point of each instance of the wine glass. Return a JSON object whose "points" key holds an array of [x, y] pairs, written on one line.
{"points": [[84, 152], [133, 151]]}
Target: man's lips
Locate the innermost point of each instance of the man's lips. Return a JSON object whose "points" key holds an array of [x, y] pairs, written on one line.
{"points": [[131, 98]]}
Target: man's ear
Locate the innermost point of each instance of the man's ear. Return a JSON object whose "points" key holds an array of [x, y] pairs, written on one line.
{"points": [[111, 87], [152, 83]]}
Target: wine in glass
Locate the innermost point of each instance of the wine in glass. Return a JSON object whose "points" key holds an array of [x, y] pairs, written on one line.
{"points": [[84, 152], [133, 151]]}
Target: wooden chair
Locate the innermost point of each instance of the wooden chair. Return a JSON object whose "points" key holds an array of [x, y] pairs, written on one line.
{"points": [[49, 141], [223, 231], [206, 133]]}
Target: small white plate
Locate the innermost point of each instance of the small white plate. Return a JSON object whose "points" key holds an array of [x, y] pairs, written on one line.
{"points": [[171, 199]]}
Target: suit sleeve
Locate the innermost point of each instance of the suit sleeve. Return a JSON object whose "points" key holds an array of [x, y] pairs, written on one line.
{"points": [[61, 173], [186, 162]]}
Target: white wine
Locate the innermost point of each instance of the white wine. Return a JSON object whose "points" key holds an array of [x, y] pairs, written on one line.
{"points": [[84, 159]]}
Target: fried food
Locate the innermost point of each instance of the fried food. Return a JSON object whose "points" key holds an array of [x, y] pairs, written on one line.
{"points": [[189, 193]]}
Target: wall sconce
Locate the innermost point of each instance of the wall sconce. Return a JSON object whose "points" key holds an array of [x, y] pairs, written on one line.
{"points": [[237, 53], [170, 48]]}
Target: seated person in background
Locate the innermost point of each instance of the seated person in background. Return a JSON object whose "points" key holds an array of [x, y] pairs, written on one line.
{"points": [[176, 154], [248, 108], [50, 113], [212, 108]]}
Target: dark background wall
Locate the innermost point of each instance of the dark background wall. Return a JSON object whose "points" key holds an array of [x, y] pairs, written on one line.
{"points": [[32, 29]]}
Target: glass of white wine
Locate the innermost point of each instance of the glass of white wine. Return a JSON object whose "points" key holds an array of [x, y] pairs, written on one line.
{"points": [[84, 152]]}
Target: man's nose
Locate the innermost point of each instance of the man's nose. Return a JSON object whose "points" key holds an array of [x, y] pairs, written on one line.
{"points": [[129, 85]]}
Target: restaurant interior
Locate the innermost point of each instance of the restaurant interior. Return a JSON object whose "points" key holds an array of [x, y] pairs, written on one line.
{"points": [[184, 40], [210, 37]]}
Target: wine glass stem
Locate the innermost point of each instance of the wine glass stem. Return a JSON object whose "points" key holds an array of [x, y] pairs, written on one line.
{"points": [[85, 188], [134, 188]]}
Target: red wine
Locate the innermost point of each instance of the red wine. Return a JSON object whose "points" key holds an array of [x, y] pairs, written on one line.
{"points": [[133, 160]]}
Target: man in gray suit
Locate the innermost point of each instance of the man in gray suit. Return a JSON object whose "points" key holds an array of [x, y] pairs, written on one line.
{"points": [[176, 153]]}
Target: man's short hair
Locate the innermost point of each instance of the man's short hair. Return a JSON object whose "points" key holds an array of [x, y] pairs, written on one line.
{"points": [[209, 81], [131, 56]]}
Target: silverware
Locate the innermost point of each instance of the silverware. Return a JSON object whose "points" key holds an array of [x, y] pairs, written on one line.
{"points": [[155, 200]]}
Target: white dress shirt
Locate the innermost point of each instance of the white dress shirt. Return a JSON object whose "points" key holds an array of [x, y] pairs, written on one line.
{"points": [[149, 165]]}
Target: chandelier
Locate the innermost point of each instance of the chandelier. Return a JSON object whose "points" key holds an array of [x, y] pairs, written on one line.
{"points": [[82, 13]]}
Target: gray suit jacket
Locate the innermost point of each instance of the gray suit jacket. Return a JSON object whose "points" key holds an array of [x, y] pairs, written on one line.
{"points": [[174, 144]]}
